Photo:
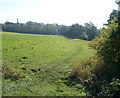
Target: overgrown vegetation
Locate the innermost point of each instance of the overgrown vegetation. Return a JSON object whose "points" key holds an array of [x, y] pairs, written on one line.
{"points": [[101, 73], [42, 64], [12, 73]]}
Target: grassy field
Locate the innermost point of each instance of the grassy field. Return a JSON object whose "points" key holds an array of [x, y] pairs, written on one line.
{"points": [[38, 65]]}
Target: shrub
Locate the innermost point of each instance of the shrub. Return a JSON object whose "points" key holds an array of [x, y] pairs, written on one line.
{"points": [[108, 49], [86, 70], [11, 73], [93, 74], [110, 88], [83, 71], [105, 65]]}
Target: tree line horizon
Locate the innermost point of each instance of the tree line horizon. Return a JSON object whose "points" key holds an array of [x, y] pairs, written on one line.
{"points": [[85, 32]]}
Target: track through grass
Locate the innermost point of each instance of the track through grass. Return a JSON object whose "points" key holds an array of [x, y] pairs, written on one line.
{"points": [[44, 61]]}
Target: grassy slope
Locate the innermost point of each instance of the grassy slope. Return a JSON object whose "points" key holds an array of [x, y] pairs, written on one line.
{"points": [[53, 55]]}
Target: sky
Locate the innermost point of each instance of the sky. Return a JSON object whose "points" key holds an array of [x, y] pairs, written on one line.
{"points": [[66, 12]]}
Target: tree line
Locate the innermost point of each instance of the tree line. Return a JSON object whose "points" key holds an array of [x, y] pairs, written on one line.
{"points": [[86, 32]]}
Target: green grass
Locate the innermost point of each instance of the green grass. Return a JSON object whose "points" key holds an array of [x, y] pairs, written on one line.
{"points": [[45, 61]]}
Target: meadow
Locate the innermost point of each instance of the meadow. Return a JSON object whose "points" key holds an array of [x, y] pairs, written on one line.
{"points": [[39, 65]]}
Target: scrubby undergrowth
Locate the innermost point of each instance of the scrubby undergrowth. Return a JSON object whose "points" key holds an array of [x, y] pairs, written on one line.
{"points": [[101, 73]]}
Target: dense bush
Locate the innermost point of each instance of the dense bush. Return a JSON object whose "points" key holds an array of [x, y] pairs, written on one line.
{"points": [[110, 88], [93, 74], [88, 71], [108, 49], [102, 72], [12, 73]]}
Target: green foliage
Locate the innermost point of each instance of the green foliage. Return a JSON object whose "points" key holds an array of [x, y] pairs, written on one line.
{"points": [[87, 32], [113, 14], [108, 48], [88, 71], [110, 89], [102, 72], [83, 36], [83, 71], [93, 74]]}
